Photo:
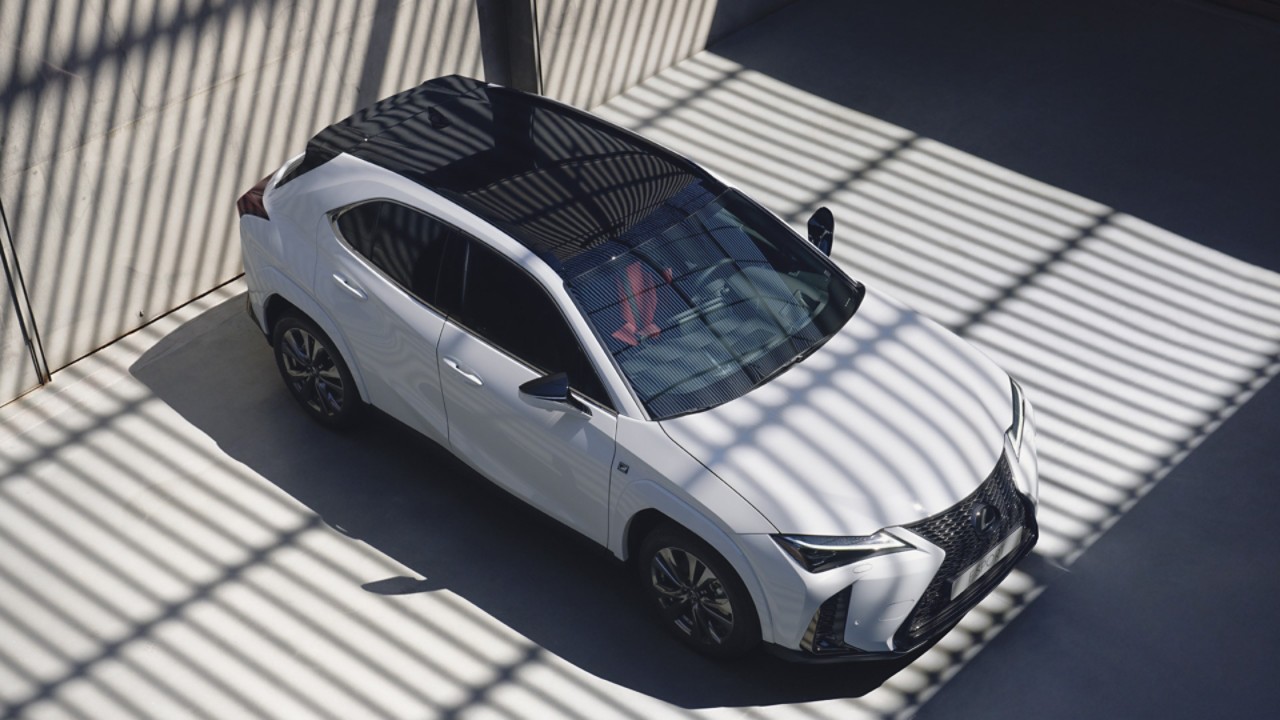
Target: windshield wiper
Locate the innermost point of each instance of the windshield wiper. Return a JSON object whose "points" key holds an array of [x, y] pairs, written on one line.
{"points": [[776, 372], [794, 359], [692, 411]]}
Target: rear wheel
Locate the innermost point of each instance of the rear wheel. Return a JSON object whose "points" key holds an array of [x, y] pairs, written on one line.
{"points": [[315, 373], [696, 593]]}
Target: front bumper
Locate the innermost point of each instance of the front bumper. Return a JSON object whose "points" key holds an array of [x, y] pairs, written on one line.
{"points": [[892, 605], [841, 651]]}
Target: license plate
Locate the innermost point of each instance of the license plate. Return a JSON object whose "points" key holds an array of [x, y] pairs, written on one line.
{"points": [[971, 574]]}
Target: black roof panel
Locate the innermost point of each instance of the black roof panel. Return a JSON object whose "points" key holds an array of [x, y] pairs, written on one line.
{"points": [[557, 179]]}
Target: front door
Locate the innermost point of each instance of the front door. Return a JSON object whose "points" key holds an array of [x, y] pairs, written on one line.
{"points": [[508, 331]]}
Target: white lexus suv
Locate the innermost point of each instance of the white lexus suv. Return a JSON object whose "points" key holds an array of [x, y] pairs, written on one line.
{"points": [[606, 330]]}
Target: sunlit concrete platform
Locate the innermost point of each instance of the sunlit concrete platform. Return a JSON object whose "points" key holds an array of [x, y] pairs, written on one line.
{"points": [[177, 540]]}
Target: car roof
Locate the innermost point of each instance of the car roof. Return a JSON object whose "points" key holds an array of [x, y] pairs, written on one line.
{"points": [[560, 181]]}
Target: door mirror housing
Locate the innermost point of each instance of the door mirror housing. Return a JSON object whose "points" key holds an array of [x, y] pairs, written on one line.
{"points": [[551, 392], [822, 227]]}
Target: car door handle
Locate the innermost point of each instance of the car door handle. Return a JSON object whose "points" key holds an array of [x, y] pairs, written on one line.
{"points": [[349, 286], [469, 376]]}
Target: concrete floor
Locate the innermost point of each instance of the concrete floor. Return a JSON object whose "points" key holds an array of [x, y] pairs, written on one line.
{"points": [[179, 541]]}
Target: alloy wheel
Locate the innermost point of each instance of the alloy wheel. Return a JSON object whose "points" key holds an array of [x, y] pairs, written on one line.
{"points": [[691, 596], [311, 371]]}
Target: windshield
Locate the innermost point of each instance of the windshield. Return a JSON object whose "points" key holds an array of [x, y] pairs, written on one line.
{"points": [[713, 306]]}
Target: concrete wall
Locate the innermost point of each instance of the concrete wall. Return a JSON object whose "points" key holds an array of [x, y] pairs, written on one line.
{"points": [[594, 49], [16, 373], [129, 127]]}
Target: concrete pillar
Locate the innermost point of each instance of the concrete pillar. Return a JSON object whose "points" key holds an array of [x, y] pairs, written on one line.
{"points": [[509, 43]]}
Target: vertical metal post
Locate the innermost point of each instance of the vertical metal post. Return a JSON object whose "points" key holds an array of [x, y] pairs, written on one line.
{"points": [[509, 43], [22, 302]]}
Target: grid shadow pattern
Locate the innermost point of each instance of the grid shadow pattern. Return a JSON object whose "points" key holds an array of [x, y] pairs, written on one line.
{"points": [[129, 127], [178, 542]]}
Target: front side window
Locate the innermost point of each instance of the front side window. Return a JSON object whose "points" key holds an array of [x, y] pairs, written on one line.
{"points": [[507, 307], [402, 242], [714, 306]]}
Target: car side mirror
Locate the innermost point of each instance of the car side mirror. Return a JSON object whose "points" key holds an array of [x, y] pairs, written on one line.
{"points": [[551, 392], [822, 227]]}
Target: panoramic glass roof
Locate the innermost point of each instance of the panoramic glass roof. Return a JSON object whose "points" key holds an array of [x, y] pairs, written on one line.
{"points": [[558, 180]]}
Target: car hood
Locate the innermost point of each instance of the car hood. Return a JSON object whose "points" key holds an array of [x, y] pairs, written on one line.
{"points": [[892, 420]]}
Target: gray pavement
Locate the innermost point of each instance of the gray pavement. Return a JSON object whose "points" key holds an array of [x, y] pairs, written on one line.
{"points": [[1167, 111], [1172, 614], [180, 542]]}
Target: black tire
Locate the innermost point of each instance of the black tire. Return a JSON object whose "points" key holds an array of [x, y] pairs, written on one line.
{"points": [[696, 594], [315, 373]]}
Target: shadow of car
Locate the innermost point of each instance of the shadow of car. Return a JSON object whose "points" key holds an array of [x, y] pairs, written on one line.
{"points": [[401, 494]]}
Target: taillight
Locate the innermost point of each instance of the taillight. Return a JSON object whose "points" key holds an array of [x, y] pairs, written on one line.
{"points": [[250, 203]]}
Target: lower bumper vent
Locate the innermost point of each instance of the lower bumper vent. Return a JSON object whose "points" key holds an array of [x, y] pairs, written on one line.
{"points": [[825, 633]]}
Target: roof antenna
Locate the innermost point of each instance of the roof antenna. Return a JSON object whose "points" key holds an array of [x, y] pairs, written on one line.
{"points": [[437, 119]]}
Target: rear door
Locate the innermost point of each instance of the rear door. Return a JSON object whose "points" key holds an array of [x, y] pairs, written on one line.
{"points": [[506, 331], [377, 273]]}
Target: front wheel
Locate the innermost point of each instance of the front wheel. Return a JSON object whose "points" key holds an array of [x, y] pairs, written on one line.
{"points": [[696, 593], [315, 373]]}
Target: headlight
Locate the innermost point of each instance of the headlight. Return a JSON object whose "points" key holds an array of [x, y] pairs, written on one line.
{"points": [[1019, 416], [817, 553]]}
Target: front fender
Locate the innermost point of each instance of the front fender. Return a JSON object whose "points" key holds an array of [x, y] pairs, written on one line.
{"points": [[646, 495], [660, 476]]}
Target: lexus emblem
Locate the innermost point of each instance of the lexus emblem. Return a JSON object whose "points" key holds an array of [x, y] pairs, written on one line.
{"points": [[984, 517]]}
